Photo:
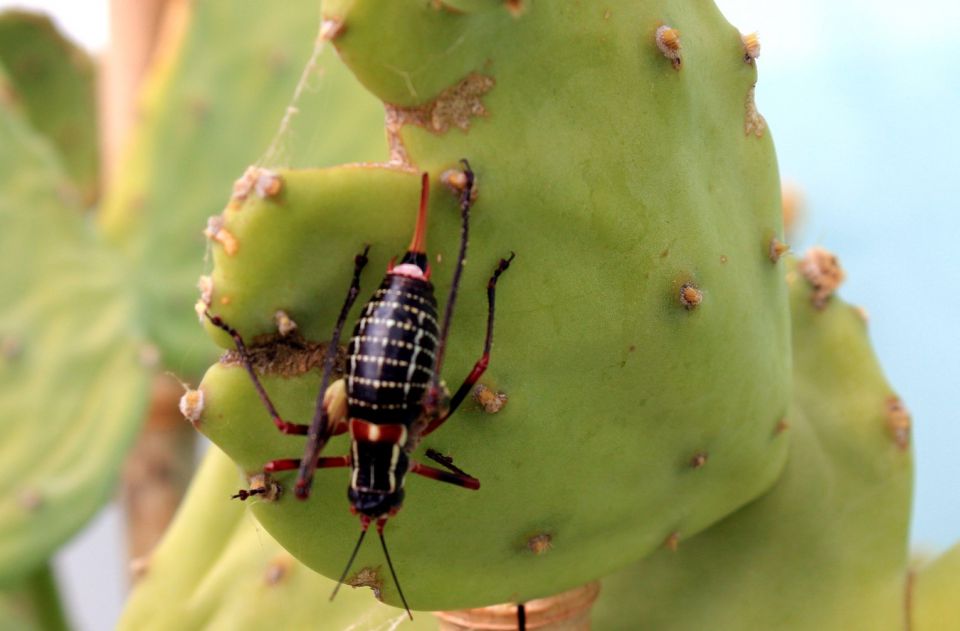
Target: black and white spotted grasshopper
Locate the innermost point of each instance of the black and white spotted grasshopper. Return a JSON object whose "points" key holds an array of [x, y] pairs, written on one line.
{"points": [[391, 395]]}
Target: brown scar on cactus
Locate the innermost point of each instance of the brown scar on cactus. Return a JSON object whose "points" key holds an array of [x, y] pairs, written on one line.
{"points": [[753, 123], [822, 270], [216, 232], [454, 107], [668, 41], [490, 402], [540, 543], [751, 47], [777, 249], [367, 577], [898, 422], [698, 460], [672, 542], [781, 426], [690, 296], [285, 356]]}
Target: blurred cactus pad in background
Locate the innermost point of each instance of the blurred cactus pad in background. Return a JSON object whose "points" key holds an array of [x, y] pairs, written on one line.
{"points": [[682, 426]]}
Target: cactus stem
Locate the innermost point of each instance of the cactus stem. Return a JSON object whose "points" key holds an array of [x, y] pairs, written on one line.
{"points": [[822, 270], [568, 611], [490, 402], [225, 300], [898, 422], [753, 122], [751, 47], [672, 542], [690, 296], [285, 324], [668, 41], [699, 459], [540, 543]]}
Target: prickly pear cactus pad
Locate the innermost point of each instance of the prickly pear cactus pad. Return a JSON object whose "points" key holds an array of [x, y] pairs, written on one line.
{"points": [[72, 386], [217, 569], [826, 548], [54, 81], [210, 108], [642, 341]]}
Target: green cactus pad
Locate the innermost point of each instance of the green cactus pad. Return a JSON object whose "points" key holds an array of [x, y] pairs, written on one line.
{"points": [[209, 110], [55, 83], [826, 548], [217, 569], [625, 187], [72, 387]]}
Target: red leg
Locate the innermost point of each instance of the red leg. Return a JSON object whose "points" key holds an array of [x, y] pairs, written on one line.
{"points": [[282, 425], [292, 464], [465, 481], [484, 361]]}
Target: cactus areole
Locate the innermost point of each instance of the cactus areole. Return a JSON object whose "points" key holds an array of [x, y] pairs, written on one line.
{"points": [[392, 395], [642, 358]]}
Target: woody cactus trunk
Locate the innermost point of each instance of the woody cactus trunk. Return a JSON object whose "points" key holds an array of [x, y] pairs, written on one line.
{"points": [[673, 407]]}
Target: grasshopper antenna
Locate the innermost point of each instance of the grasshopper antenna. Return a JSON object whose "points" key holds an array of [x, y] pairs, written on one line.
{"points": [[364, 524], [383, 543]]}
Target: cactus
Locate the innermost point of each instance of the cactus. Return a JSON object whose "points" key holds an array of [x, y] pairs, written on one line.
{"points": [[834, 527], [54, 81], [72, 386], [645, 419], [630, 339]]}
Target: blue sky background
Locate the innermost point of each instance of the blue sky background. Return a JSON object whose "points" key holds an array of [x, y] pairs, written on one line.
{"points": [[861, 96]]}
